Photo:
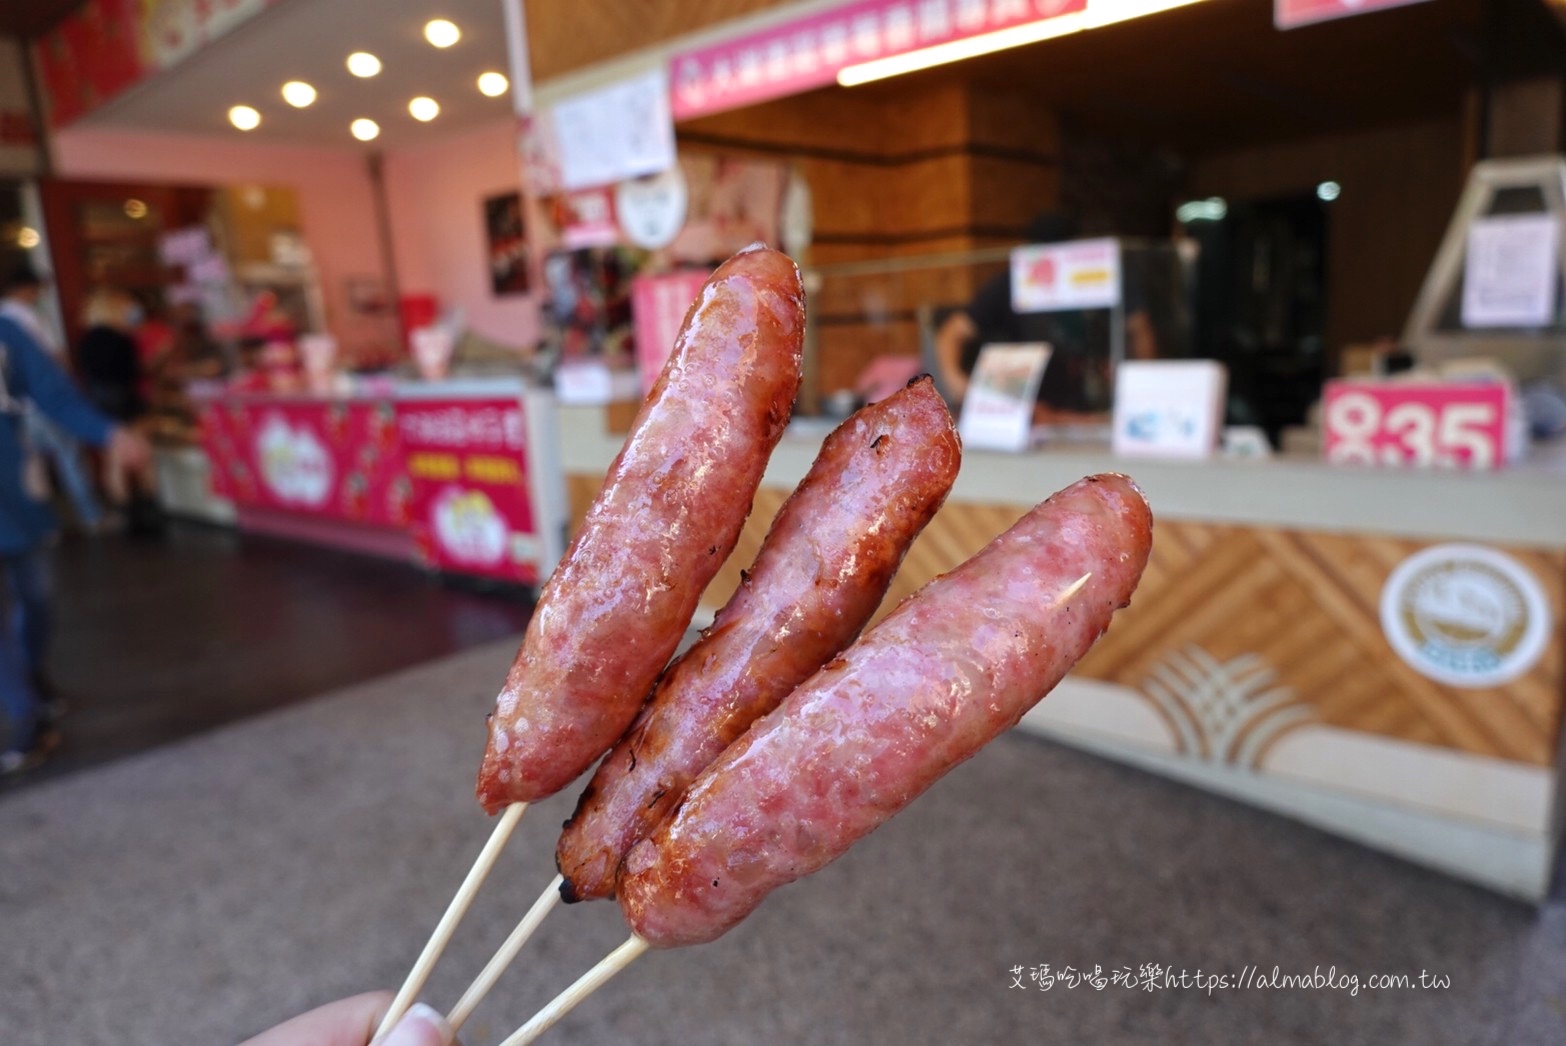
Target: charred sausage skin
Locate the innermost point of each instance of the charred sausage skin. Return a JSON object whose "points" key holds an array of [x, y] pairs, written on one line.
{"points": [[669, 513], [952, 667], [822, 570]]}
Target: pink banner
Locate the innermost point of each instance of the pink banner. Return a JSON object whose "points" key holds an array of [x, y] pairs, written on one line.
{"points": [[1415, 423], [809, 52], [658, 308], [1289, 14], [471, 510], [332, 459]]}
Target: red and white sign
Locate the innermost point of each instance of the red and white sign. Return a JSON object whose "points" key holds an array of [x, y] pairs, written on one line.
{"points": [[588, 219], [1424, 424], [335, 459], [1082, 274], [471, 510], [1290, 14], [809, 52], [658, 307]]}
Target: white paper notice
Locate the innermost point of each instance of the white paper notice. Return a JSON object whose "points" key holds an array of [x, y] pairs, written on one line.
{"points": [[617, 132], [997, 412], [1168, 408], [1511, 271], [1083, 274]]}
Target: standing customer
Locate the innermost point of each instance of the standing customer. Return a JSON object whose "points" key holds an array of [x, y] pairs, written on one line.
{"points": [[19, 297], [109, 363], [27, 375]]}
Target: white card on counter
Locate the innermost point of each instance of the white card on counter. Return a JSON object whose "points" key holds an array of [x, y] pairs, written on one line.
{"points": [[1168, 408], [997, 412], [1511, 271]]}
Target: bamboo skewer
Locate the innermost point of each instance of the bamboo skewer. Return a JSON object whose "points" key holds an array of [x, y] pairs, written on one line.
{"points": [[448, 922], [503, 958], [585, 985]]}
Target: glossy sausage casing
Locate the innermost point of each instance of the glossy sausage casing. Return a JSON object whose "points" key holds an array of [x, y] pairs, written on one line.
{"points": [[821, 572], [952, 667], [669, 513]]}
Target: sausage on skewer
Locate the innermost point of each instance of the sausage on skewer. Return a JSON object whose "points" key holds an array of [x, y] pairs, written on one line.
{"points": [[670, 511], [952, 667], [824, 567]]}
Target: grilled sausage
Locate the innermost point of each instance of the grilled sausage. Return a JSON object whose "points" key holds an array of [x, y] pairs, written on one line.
{"points": [[821, 572], [669, 513], [952, 667]]}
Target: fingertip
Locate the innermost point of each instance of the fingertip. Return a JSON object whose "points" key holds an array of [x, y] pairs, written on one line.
{"points": [[422, 1025]]}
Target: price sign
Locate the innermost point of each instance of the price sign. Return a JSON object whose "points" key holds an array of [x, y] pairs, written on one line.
{"points": [[1419, 424]]}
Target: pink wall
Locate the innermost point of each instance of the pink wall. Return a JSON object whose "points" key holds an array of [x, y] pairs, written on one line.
{"points": [[436, 194], [333, 188]]}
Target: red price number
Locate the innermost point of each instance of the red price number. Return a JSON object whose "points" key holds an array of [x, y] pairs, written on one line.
{"points": [[1424, 425]]}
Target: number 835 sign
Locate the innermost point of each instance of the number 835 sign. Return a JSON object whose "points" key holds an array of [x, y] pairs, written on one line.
{"points": [[1419, 424]]}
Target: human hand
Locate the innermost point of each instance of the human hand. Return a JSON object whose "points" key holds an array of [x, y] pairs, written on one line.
{"points": [[351, 1022], [128, 450]]}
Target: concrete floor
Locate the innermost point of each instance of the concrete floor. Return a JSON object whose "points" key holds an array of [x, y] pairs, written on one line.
{"points": [[209, 888]]}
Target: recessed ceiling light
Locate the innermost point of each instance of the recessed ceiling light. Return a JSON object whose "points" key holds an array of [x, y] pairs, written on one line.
{"points": [[424, 109], [364, 130], [1328, 191], [298, 94], [27, 237], [442, 33], [135, 209], [244, 118], [363, 63], [493, 84]]}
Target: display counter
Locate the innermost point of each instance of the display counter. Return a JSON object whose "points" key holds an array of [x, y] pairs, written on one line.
{"points": [[460, 476], [1375, 652]]}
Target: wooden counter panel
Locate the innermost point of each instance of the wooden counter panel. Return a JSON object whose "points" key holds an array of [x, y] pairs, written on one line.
{"points": [[1234, 621]]}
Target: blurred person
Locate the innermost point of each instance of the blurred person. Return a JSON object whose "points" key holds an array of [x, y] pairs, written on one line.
{"points": [[110, 367], [1075, 382], [28, 375], [108, 357], [352, 1022], [20, 294]]}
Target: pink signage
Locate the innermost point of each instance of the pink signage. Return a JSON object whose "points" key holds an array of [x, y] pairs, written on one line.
{"points": [[334, 459], [658, 307], [471, 510], [809, 52], [1417, 423], [1289, 14]]}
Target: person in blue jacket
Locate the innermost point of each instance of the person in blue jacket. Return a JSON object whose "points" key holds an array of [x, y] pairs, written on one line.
{"points": [[28, 375]]}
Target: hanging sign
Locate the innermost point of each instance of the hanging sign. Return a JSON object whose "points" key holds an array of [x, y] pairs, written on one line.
{"points": [[805, 53]]}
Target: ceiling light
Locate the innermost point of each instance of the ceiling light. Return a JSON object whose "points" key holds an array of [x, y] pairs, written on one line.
{"points": [[244, 118], [1328, 191], [493, 84], [298, 94], [135, 209], [442, 33], [1212, 209], [424, 109], [363, 63], [27, 237], [364, 130]]}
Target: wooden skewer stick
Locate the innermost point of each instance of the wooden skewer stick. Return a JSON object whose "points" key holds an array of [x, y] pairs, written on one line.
{"points": [[585, 985], [448, 923], [503, 958]]}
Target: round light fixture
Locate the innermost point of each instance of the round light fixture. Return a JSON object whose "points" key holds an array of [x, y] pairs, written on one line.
{"points": [[424, 109], [442, 33], [135, 209], [364, 130], [298, 94], [27, 237], [1328, 191], [493, 84], [244, 118], [363, 63]]}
